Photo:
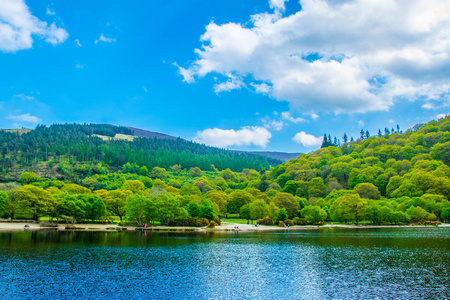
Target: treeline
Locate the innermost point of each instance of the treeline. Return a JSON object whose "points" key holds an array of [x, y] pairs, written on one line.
{"points": [[402, 178], [43, 150], [327, 141]]}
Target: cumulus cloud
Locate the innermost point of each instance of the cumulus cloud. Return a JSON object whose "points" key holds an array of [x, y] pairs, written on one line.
{"points": [[249, 135], [261, 88], [307, 140], [49, 12], [314, 116], [27, 118], [18, 26], [104, 39], [440, 116], [335, 56], [273, 124], [232, 84], [277, 4], [287, 116]]}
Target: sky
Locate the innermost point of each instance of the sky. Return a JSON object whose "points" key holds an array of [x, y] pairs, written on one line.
{"points": [[269, 75]]}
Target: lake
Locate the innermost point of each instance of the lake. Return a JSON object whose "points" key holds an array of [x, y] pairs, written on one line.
{"points": [[327, 263]]}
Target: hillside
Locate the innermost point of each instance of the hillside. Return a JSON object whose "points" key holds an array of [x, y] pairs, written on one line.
{"points": [[59, 150], [397, 178]]}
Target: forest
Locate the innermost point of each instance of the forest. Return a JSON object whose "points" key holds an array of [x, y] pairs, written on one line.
{"points": [[74, 151], [392, 178]]}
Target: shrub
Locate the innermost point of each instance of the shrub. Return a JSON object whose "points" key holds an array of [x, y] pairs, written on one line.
{"points": [[281, 224], [289, 222], [295, 220], [301, 221], [201, 222], [218, 221], [47, 224], [319, 223], [212, 224], [265, 221]]}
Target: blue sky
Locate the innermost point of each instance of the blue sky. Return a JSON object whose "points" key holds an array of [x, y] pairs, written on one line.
{"points": [[253, 75]]}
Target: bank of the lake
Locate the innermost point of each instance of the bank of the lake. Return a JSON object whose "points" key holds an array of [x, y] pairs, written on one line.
{"points": [[7, 226]]}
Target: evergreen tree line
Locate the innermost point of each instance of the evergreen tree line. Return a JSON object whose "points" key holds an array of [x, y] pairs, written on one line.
{"points": [[327, 141], [41, 149]]}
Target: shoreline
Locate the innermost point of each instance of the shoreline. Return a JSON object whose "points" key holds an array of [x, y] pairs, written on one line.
{"points": [[6, 226]]}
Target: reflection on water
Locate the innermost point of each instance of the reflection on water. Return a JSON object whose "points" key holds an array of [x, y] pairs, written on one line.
{"points": [[313, 264]]}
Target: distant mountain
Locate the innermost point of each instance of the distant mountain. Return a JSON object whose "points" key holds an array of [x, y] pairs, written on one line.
{"points": [[151, 134], [283, 156]]}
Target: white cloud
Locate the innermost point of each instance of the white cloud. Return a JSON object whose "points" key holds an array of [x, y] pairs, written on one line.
{"points": [[79, 66], [258, 136], [24, 97], [145, 89], [27, 118], [314, 116], [49, 12], [287, 116], [77, 42], [277, 4], [391, 121], [307, 140], [18, 26], [104, 39], [361, 123], [232, 83], [440, 116], [336, 56], [273, 124], [261, 88]]}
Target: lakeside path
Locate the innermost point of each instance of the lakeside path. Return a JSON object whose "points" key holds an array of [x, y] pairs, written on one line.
{"points": [[6, 226]]}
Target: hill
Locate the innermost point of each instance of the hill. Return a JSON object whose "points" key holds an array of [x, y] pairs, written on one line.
{"points": [[59, 150], [395, 178]]}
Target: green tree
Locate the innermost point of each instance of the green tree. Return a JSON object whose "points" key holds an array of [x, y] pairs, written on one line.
{"points": [[34, 201], [367, 191], [313, 214], [29, 177], [134, 186], [289, 202], [159, 173], [351, 207], [195, 172], [95, 208], [316, 188], [281, 215], [258, 209], [244, 212], [116, 202]]}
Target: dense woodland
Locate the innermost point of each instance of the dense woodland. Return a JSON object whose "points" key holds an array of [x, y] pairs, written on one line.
{"points": [[395, 178], [72, 152]]}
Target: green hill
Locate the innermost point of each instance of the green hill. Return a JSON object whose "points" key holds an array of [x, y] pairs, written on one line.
{"points": [[397, 178], [68, 151]]}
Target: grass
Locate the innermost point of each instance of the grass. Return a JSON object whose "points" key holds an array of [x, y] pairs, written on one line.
{"points": [[238, 221]]}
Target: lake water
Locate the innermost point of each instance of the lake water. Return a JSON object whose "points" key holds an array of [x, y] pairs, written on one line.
{"points": [[411, 263]]}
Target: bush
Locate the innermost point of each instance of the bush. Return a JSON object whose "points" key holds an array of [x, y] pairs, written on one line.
{"points": [[319, 223], [212, 224], [295, 220], [281, 224], [201, 222], [289, 222], [301, 221], [265, 221], [218, 221]]}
